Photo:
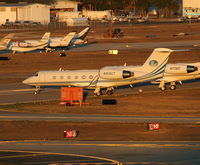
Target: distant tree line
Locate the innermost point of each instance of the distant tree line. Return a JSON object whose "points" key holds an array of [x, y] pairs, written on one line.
{"points": [[163, 7], [29, 1]]}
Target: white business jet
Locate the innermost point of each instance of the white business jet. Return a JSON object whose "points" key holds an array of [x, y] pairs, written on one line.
{"points": [[30, 45], [106, 77], [80, 37], [4, 42], [61, 42], [177, 73]]}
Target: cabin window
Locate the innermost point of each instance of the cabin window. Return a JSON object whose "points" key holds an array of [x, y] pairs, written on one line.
{"points": [[2, 9], [13, 9], [90, 77], [68, 77], [54, 77], [84, 77], [76, 77], [61, 77]]}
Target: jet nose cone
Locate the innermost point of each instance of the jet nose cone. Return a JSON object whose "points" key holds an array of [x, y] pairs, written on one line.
{"points": [[25, 81]]}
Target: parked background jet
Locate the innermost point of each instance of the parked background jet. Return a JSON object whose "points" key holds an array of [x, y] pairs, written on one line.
{"points": [[62, 42], [80, 37], [177, 73], [30, 45], [106, 77], [4, 42]]}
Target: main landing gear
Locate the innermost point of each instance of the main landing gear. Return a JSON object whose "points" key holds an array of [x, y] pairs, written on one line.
{"points": [[110, 91], [37, 90], [163, 87], [98, 91]]}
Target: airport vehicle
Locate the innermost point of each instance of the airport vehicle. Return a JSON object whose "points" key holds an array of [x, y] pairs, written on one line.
{"points": [[4, 42], [191, 12], [61, 42], [114, 33], [177, 73], [106, 77], [30, 45], [80, 37]]}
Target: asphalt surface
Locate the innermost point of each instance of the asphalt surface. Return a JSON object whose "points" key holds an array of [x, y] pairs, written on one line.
{"points": [[16, 116], [127, 46], [41, 152]]}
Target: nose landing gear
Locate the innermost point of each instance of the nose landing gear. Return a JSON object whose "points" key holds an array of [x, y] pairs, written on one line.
{"points": [[37, 90]]}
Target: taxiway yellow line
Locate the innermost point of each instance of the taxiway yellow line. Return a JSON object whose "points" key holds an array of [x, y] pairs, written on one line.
{"points": [[74, 155]]}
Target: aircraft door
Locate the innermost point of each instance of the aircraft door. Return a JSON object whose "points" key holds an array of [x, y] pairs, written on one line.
{"points": [[42, 77]]}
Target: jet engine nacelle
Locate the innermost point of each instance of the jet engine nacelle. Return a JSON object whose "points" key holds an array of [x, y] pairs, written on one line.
{"points": [[180, 69], [113, 74]]}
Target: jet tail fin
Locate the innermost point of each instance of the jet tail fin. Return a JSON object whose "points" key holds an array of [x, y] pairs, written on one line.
{"points": [[83, 33], [5, 41], [46, 37], [157, 60], [69, 37]]}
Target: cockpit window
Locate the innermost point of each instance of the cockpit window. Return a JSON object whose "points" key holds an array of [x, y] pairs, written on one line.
{"points": [[36, 74]]}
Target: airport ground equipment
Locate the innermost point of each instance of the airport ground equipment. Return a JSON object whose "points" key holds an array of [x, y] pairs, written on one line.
{"points": [[114, 33], [72, 96]]}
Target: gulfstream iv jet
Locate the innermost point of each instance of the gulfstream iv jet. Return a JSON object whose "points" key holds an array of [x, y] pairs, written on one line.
{"points": [[176, 73], [107, 77]]}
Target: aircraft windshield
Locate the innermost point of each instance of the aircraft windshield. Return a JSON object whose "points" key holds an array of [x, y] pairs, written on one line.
{"points": [[36, 74]]}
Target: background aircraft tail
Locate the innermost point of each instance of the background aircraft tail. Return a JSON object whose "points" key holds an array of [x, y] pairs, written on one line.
{"points": [[45, 37], [157, 61], [83, 33], [5, 41], [69, 37]]}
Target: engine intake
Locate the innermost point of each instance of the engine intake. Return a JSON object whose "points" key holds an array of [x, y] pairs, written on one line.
{"points": [[113, 74], [180, 69]]}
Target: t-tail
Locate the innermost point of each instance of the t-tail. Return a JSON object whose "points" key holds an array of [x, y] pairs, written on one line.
{"points": [[157, 61], [6, 40], [45, 37], [83, 33], [69, 37]]}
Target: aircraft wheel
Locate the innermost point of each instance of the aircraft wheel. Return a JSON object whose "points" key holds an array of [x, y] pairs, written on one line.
{"points": [[109, 92], [172, 87], [68, 104], [97, 94], [163, 88]]}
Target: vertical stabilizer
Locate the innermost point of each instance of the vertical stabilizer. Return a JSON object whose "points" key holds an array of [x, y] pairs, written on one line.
{"points": [[45, 37], [68, 38], [157, 61], [6, 40], [83, 33]]}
